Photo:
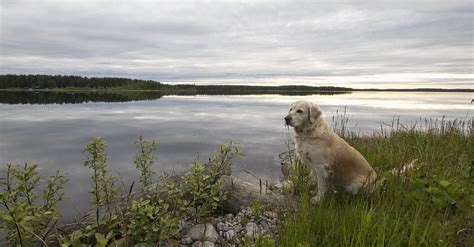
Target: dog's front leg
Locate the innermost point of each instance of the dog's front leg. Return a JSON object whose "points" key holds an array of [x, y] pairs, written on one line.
{"points": [[321, 175]]}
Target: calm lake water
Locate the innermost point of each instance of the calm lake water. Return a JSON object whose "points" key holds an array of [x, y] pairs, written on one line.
{"points": [[188, 128]]}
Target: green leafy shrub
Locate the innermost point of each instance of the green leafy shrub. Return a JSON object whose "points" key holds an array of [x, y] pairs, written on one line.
{"points": [[104, 190], [156, 218], [203, 181], [204, 189], [144, 160], [23, 219]]}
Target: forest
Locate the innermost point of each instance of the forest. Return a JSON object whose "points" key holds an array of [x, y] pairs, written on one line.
{"points": [[65, 81], [69, 82]]}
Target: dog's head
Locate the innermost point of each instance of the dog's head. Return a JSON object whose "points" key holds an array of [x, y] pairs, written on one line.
{"points": [[302, 114]]}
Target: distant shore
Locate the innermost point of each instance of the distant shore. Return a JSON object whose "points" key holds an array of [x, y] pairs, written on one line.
{"points": [[60, 83], [255, 90]]}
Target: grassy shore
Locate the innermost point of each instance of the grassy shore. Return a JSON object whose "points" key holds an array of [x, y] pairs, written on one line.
{"points": [[431, 205]]}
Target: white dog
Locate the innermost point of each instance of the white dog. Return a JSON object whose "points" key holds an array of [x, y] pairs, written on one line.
{"points": [[330, 159]]}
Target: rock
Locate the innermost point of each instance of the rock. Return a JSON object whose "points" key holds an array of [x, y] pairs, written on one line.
{"points": [[265, 226], [224, 226], [228, 217], [203, 232], [271, 214], [220, 226], [183, 224], [238, 219], [197, 244], [247, 211], [211, 220], [208, 244], [227, 227], [238, 228], [274, 229], [229, 235], [186, 240], [251, 230]]}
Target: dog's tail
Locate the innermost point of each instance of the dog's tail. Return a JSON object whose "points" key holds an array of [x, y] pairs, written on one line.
{"points": [[405, 168]]}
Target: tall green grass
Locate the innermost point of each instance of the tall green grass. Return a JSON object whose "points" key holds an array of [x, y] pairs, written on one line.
{"points": [[431, 205]]}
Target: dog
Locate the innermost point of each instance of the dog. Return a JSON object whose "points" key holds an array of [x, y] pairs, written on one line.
{"points": [[330, 159]]}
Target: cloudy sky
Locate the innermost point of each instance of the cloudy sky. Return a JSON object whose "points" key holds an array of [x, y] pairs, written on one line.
{"points": [[384, 44]]}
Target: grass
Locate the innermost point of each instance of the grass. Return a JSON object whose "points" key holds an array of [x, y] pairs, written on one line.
{"points": [[431, 205]]}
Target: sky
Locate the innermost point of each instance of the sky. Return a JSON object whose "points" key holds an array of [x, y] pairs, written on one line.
{"points": [[359, 44]]}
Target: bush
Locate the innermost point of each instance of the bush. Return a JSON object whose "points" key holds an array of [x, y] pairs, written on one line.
{"points": [[23, 219], [104, 190], [156, 216]]}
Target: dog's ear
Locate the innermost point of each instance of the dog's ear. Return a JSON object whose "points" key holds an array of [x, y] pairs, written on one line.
{"points": [[314, 113]]}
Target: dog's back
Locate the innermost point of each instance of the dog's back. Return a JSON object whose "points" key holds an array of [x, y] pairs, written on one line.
{"points": [[351, 170]]}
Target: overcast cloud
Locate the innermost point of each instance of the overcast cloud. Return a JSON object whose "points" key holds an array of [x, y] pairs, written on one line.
{"points": [[396, 44]]}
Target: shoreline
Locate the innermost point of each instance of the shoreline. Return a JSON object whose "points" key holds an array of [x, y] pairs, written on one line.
{"points": [[237, 92]]}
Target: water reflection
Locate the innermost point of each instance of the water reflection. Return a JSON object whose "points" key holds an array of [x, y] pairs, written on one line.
{"points": [[72, 97], [188, 128], [55, 97]]}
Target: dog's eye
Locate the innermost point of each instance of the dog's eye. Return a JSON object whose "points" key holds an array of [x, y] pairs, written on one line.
{"points": [[299, 111]]}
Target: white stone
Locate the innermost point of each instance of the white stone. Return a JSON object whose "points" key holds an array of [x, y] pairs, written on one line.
{"points": [[203, 232], [186, 240], [228, 217], [227, 227], [208, 244], [197, 244], [271, 214], [252, 230], [220, 226], [229, 235]]}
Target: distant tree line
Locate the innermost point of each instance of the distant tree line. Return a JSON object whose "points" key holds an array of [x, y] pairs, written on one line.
{"points": [[268, 88], [64, 81], [261, 89], [78, 82], [10, 81]]}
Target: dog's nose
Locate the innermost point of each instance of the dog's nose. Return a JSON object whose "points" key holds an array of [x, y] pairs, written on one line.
{"points": [[287, 119]]}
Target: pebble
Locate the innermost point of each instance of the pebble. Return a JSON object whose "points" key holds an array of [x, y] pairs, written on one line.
{"points": [[251, 230], [230, 229], [209, 244], [186, 240], [228, 217], [197, 244], [226, 227], [238, 228], [220, 226], [271, 214], [203, 231]]}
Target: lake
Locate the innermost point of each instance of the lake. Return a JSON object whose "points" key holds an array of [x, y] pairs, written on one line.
{"points": [[52, 129]]}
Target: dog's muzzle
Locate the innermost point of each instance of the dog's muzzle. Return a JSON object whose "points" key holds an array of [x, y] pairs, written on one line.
{"points": [[287, 120]]}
